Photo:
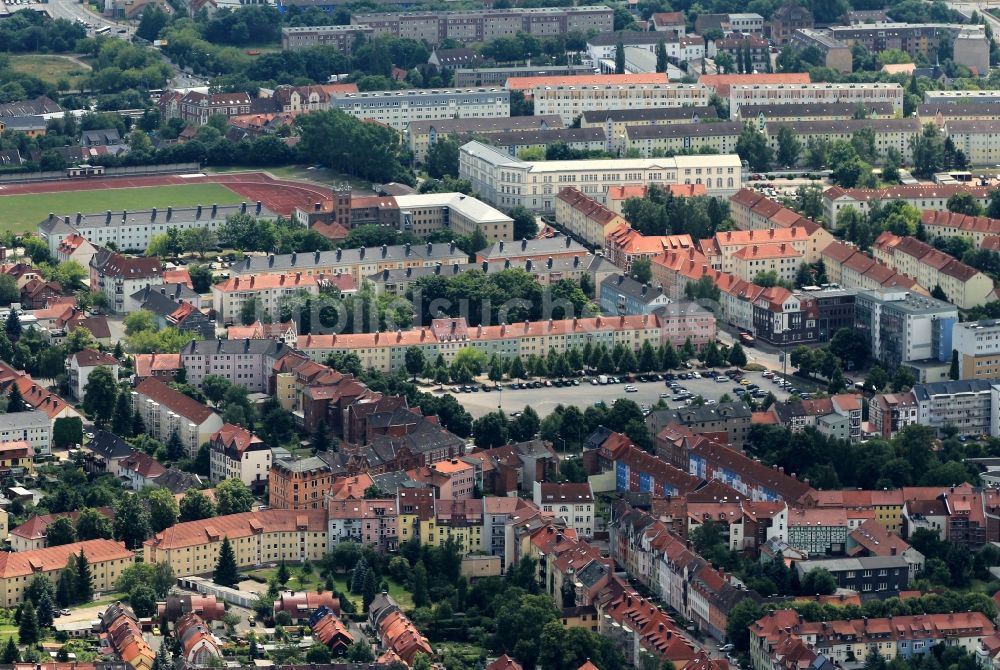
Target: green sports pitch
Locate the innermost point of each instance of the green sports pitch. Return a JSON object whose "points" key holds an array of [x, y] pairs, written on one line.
{"points": [[23, 213]]}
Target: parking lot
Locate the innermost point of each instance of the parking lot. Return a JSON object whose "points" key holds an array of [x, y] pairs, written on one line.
{"points": [[545, 399]]}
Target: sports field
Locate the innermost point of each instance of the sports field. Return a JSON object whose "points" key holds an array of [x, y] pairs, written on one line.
{"points": [[23, 213]]}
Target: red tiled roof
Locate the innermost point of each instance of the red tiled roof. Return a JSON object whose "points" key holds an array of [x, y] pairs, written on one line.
{"points": [[176, 401]]}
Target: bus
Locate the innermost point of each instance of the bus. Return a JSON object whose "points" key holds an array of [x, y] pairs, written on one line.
{"points": [[103, 31]]}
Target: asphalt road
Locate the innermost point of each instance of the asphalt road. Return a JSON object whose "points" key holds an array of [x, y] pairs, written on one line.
{"points": [[545, 400], [72, 10]]}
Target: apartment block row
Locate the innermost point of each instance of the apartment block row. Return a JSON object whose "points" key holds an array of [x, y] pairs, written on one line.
{"points": [[921, 196], [742, 95], [504, 181]]}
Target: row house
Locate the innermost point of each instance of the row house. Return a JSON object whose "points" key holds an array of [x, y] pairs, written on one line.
{"points": [[952, 224], [848, 266], [964, 286]]}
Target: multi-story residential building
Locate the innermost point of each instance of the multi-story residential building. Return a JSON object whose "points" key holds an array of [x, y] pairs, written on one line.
{"points": [[818, 531], [139, 470], [300, 484], [118, 277], [602, 47], [422, 135], [35, 428], [79, 365], [573, 503], [873, 539], [505, 181], [536, 250], [891, 132], [674, 270], [624, 245], [174, 306], [196, 107], [903, 327], [916, 39], [621, 294], [267, 536], [713, 461], [340, 37], [244, 362], [569, 99], [445, 337], [731, 419], [976, 139], [370, 522], [656, 140], [781, 259], [617, 196], [738, 47], [615, 121], [165, 411], [107, 559], [742, 95], [397, 108], [890, 413], [578, 139], [952, 224], [720, 84], [921, 196], [836, 54], [462, 214], [17, 458], [498, 76], [965, 405], [750, 210], [977, 345], [748, 23], [584, 217], [970, 110], [487, 25], [74, 247], [783, 317], [841, 641], [964, 286], [264, 294], [874, 577], [850, 267], [311, 98], [236, 453], [832, 111], [808, 241], [785, 20], [359, 263], [669, 22]]}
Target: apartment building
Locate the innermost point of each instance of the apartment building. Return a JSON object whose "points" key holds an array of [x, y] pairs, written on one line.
{"points": [[890, 132], [118, 277], [266, 292], [850, 267], [504, 181], [890, 413], [299, 484], [584, 217], [267, 536], [196, 107], [977, 344], [836, 54], [656, 140], [614, 121], [921, 196], [487, 25], [372, 523], [970, 110], [236, 453], [358, 263], [965, 405], [965, 286], [620, 294], [720, 84], [602, 47], [832, 111], [578, 139], [244, 362], [386, 351], [341, 38], [738, 47], [976, 138], [903, 327], [537, 250], [74, 247], [573, 503], [751, 210], [916, 39], [570, 99], [952, 224], [624, 245], [787, 19], [743, 95], [721, 248], [32, 427], [498, 76], [79, 365], [165, 411], [107, 559], [617, 196], [397, 108], [783, 260], [422, 135]]}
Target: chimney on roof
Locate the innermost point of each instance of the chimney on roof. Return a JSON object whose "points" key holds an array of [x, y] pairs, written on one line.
{"points": [[524, 243], [259, 207], [645, 287], [215, 210], [107, 218], [79, 217], [243, 208], [576, 261], [407, 248], [339, 252], [501, 245], [385, 250], [270, 261], [198, 213], [550, 263]]}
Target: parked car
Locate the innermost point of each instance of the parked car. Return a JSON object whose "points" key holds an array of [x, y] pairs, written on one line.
{"points": [[630, 389]]}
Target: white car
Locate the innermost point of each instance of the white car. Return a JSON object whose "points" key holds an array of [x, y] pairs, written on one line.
{"points": [[630, 389]]}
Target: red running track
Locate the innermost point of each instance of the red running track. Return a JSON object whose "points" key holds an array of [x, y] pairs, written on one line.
{"points": [[278, 195]]}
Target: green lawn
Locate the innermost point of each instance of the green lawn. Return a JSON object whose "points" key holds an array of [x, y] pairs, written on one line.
{"points": [[49, 69], [323, 176], [23, 213], [313, 582]]}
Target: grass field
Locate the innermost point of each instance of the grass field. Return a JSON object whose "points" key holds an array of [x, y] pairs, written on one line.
{"points": [[22, 213], [323, 176], [49, 69]]}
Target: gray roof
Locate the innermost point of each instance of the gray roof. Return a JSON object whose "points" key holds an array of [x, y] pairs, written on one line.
{"points": [[495, 125], [831, 110], [391, 482], [912, 303], [168, 215], [344, 257], [629, 37], [847, 125], [860, 563], [24, 122], [178, 481], [590, 263], [549, 135], [819, 38], [40, 105], [733, 128], [18, 420], [705, 413], [216, 347], [926, 391], [172, 293], [100, 137], [627, 286], [534, 247], [304, 464], [108, 445], [972, 108], [653, 114]]}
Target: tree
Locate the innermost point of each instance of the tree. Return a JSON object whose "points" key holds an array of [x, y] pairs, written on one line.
{"points": [[99, 395], [620, 57], [139, 321], [83, 585], [92, 525], [131, 521], [163, 509], [642, 270], [283, 575], [232, 496], [10, 653], [27, 630], [360, 652], [519, 624], [661, 56], [121, 419], [225, 569], [143, 600], [153, 21], [903, 379], [928, 151], [789, 147], [414, 359], [8, 290], [60, 531], [964, 203], [174, 447], [877, 379], [752, 147], [419, 585], [13, 325], [442, 158], [525, 223], [195, 506], [819, 581], [741, 617]]}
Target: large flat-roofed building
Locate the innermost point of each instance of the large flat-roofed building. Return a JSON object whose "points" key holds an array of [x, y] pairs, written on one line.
{"points": [[422, 135], [498, 76], [489, 24], [904, 327], [603, 46], [569, 100], [963, 405], [398, 108], [133, 230], [677, 138], [505, 181], [424, 213], [891, 132], [742, 95], [32, 427], [107, 559], [963, 97], [916, 39], [836, 54], [340, 37], [978, 347], [267, 536]]}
